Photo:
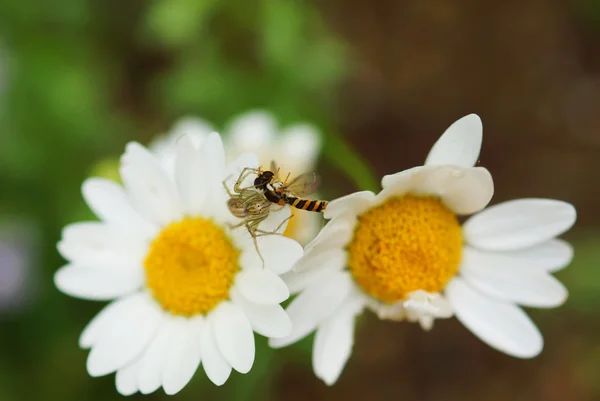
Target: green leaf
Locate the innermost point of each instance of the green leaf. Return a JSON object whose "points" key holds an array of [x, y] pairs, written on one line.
{"points": [[581, 277], [177, 22], [282, 26]]}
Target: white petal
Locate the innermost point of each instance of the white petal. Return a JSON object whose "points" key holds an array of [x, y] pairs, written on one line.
{"points": [[353, 204], [96, 244], [234, 336], [459, 145], [261, 286], [126, 378], [334, 340], [553, 255], [426, 322], [315, 304], [213, 155], [191, 177], [184, 357], [150, 189], [401, 181], [277, 219], [519, 224], [534, 290], [335, 235], [504, 277], [153, 361], [421, 303], [196, 128], [279, 253], [463, 190], [126, 338], [314, 268], [216, 367], [267, 320], [103, 321], [298, 147], [213, 159], [252, 132], [501, 325], [235, 168], [550, 256], [98, 284], [321, 260], [109, 202], [395, 312], [164, 146]]}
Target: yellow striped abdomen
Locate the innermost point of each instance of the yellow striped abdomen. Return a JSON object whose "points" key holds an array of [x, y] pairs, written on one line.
{"points": [[306, 204]]}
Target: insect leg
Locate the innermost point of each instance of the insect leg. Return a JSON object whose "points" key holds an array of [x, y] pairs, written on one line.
{"points": [[243, 175], [227, 188], [255, 240], [274, 232], [238, 225], [254, 197], [252, 227]]}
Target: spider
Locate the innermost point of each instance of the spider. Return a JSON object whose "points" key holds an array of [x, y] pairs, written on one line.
{"points": [[251, 204]]}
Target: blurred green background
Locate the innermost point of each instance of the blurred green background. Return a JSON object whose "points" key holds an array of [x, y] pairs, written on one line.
{"points": [[79, 79]]}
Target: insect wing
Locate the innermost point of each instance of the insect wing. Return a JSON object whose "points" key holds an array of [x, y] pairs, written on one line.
{"points": [[303, 185], [275, 169]]}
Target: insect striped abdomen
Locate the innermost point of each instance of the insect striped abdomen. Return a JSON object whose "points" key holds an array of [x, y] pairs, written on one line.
{"points": [[297, 203], [316, 206], [305, 204]]}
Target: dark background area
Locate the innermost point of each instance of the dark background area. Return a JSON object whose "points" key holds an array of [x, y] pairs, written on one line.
{"points": [[79, 79]]}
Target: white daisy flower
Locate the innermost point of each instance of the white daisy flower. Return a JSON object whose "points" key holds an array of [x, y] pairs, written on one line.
{"points": [[185, 288], [403, 254], [295, 149], [164, 147]]}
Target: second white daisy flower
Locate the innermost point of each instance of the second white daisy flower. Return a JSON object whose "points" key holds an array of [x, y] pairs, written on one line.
{"points": [[403, 254]]}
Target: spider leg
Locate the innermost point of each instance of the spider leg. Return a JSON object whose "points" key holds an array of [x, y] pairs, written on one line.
{"points": [[227, 188], [253, 197], [252, 227], [237, 225], [243, 175], [274, 232]]}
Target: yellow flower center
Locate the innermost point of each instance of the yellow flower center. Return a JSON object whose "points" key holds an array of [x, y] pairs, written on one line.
{"points": [[406, 244], [190, 266]]}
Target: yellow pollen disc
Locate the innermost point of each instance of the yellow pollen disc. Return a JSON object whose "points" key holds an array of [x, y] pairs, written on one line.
{"points": [[406, 244], [191, 266]]}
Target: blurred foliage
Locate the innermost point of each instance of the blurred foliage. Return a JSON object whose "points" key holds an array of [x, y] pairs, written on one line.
{"points": [[584, 291], [589, 9], [225, 57]]}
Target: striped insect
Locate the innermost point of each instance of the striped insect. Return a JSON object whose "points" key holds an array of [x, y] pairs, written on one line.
{"points": [[291, 193], [252, 206]]}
